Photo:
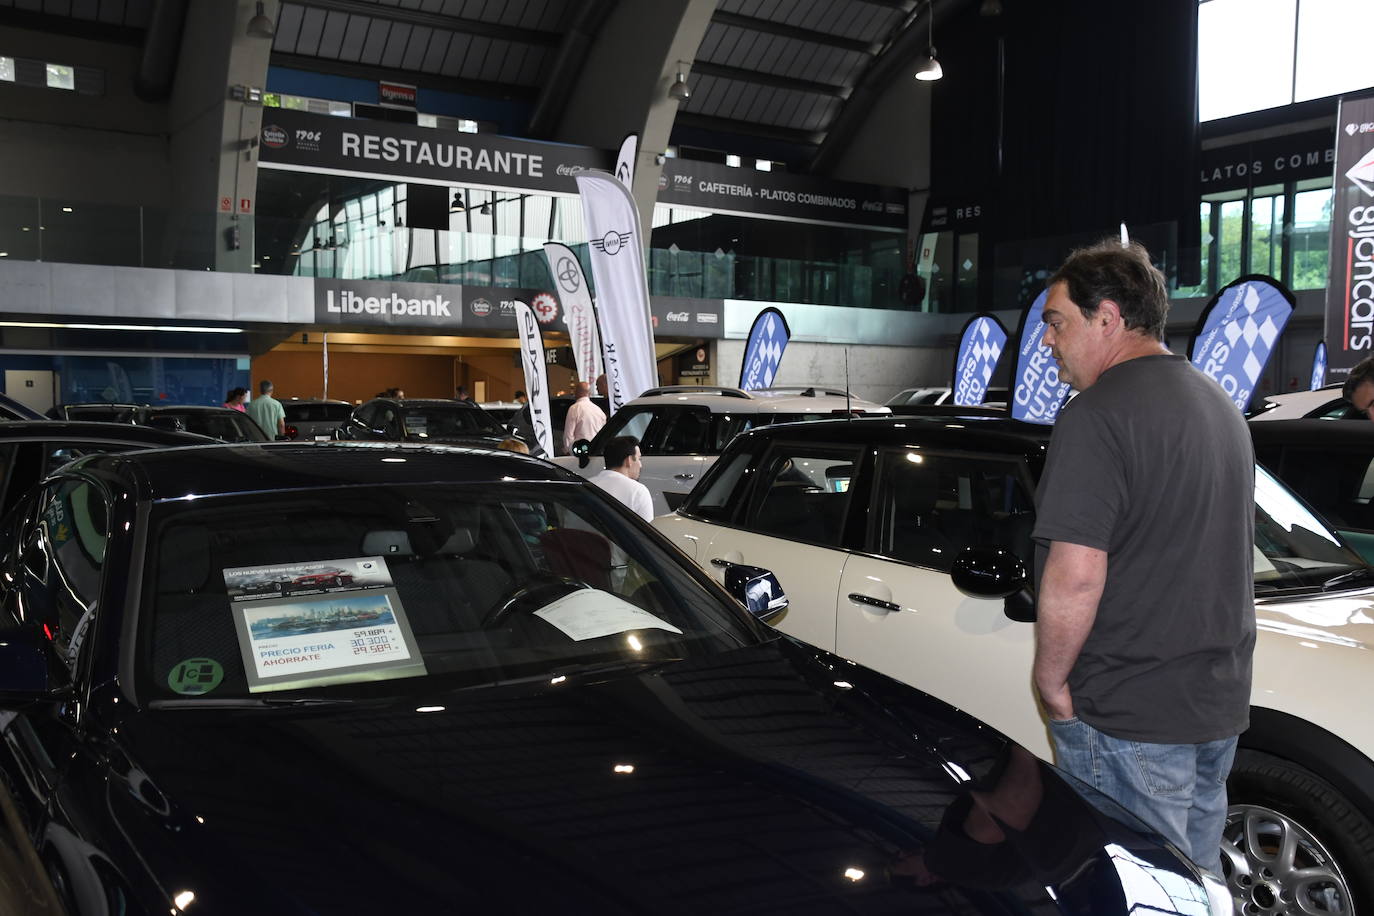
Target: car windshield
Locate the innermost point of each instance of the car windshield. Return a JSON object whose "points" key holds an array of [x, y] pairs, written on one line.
{"points": [[226, 425], [442, 421], [1293, 547], [101, 414], [367, 590], [316, 412]]}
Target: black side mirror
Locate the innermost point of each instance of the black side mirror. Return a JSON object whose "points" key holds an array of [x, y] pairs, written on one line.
{"points": [[582, 450], [988, 572], [757, 589]]}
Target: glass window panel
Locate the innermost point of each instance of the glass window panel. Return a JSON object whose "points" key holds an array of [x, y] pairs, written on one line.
{"points": [[803, 495], [1333, 47], [1233, 35], [7, 69], [1228, 243], [1310, 239], [966, 272], [60, 77], [1266, 235], [1205, 215]]}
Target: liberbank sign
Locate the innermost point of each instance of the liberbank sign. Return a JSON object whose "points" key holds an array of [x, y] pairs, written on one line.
{"points": [[320, 143]]}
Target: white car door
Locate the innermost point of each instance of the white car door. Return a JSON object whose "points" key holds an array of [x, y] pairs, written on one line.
{"points": [[792, 526], [899, 612]]}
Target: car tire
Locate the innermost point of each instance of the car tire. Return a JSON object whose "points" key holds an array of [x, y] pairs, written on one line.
{"points": [[1276, 804]]}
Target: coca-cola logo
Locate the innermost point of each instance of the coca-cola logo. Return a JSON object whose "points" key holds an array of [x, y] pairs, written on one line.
{"points": [[678, 316], [274, 137], [480, 307], [570, 169]]}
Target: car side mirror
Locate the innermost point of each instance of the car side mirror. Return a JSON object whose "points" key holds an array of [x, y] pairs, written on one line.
{"points": [[757, 589], [988, 572], [582, 450]]}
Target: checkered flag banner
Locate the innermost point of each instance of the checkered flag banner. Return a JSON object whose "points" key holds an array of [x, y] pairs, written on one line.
{"points": [[1238, 331], [980, 347], [1038, 393], [762, 354]]}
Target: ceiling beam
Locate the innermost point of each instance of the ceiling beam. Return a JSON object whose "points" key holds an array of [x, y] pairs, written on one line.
{"points": [[783, 30], [748, 128], [373, 73], [435, 21], [739, 74]]}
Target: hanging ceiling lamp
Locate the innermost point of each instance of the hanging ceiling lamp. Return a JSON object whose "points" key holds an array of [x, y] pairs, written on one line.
{"points": [[930, 70]]}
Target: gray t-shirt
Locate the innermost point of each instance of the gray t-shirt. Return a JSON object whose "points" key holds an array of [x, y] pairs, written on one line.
{"points": [[1153, 464]]}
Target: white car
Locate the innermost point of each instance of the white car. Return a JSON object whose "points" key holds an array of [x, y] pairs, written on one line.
{"points": [[682, 428], [883, 533], [1319, 404]]}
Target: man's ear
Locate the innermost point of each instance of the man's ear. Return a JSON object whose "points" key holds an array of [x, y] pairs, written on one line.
{"points": [[1109, 317]]}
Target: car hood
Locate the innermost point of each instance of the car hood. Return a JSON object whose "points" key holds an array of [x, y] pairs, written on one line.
{"points": [[770, 779]]}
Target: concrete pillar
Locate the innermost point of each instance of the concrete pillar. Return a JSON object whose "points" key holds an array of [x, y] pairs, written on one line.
{"points": [[213, 137]]}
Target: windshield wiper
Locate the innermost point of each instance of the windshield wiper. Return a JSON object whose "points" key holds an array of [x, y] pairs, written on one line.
{"points": [[248, 703], [1345, 578]]}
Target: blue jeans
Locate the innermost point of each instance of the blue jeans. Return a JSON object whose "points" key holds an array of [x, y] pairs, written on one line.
{"points": [[1178, 789]]}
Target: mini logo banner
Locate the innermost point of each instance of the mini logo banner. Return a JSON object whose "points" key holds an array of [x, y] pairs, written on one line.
{"points": [[578, 312], [762, 354], [1237, 332], [1349, 332], [1319, 366], [617, 259], [980, 347], [625, 161], [1038, 393], [536, 377]]}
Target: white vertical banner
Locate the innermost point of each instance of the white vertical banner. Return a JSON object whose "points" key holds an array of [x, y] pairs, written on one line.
{"points": [[324, 352], [622, 291], [536, 378], [625, 161], [577, 309]]}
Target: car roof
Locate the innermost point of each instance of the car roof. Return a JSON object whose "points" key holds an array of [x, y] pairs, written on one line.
{"points": [[212, 470], [1314, 432], [91, 430], [765, 400], [429, 402], [951, 430]]}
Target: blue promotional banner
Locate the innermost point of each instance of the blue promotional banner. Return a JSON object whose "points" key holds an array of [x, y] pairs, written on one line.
{"points": [[1237, 332], [762, 354], [1319, 366], [980, 347], [1038, 393]]}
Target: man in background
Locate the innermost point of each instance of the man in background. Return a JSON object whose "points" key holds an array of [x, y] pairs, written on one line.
{"points": [[267, 411], [1359, 387], [621, 477], [584, 419]]}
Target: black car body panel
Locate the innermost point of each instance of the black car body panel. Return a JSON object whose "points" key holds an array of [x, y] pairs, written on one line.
{"points": [[219, 423], [769, 778]]}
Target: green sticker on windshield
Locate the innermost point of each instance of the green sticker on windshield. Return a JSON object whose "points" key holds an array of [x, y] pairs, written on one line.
{"points": [[195, 675]]}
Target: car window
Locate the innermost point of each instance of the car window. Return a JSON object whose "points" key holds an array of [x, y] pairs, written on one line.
{"points": [[1339, 484], [928, 507], [347, 588], [719, 492], [685, 431], [440, 421], [1293, 547], [803, 493], [315, 413], [365, 414], [1339, 409], [629, 421], [227, 426]]}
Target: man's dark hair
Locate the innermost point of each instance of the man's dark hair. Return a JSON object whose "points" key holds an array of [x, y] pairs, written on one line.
{"points": [[620, 450], [519, 394], [264, 386], [1363, 372], [1123, 275]]}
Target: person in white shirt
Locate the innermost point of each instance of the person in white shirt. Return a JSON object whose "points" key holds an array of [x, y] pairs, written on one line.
{"points": [[621, 477], [584, 419]]}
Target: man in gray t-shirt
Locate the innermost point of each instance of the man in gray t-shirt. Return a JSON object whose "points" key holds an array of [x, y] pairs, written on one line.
{"points": [[1144, 532]]}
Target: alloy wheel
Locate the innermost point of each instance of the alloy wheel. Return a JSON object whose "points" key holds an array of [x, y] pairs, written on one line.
{"points": [[1275, 865]]}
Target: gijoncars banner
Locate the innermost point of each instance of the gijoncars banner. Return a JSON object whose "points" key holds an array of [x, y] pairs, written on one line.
{"points": [[1319, 366], [622, 289], [767, 339], [980, 347], [1350, 287], [1037, 393], [1237, 331], [536, 376], [578, 312]]}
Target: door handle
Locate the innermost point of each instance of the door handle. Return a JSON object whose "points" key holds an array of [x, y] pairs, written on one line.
{"points": [[683, 476], [723, 564], [875, 602]]}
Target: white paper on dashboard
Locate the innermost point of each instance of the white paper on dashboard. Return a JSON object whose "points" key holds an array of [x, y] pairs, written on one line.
{"points": [[589, 613]]}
